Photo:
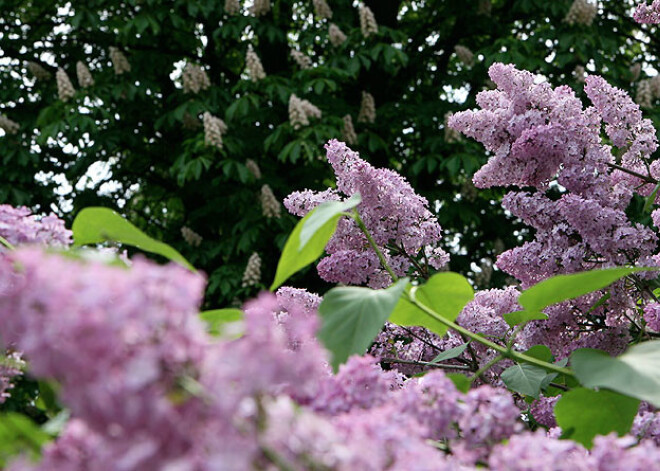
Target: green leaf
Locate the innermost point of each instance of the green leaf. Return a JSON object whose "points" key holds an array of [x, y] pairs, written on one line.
{"points": [[96, 225], [18, 434], [636, 373], [524, 378], [351, 317], [582, 414], [451, 353], [461, 381], [217, 317], [308, 239], [445, 293], [520, 317], [650, 200], [540, 352], [562, 287]]}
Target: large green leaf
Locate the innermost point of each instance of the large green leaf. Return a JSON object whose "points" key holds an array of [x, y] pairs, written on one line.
{"points": [[583, 413], [451, 353], [524, 378], [18, 434], [520, 317], [216, 318], [563, 287], [636, 373], [96, 225], [352, 317], [445, 293], [308, 239]]}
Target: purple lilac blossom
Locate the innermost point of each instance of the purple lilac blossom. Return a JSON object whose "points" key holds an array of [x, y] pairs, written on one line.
{"points": [[648, 13], [652, 316], [11, 366], [538, 135], [19, 226], [391, 210]]}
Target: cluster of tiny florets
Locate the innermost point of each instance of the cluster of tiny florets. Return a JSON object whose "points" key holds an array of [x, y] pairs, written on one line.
{"points": [[214, 128], [232, 7], [270, 207], [38, 71], [648, 90], [252, 273], [368, 24], [303, 61], [648, 13], [8, 126], [582, 12], [254, 169], [322, 9], [337, 37], [85, 78], [300, 111], [191, 237], [65, 89], [367, 112], [195, 79], [260, 7], [465, 55], [348, 131], [119, 61], [253, 65]]}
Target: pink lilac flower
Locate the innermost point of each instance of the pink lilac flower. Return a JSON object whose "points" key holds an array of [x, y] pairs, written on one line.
{"points": [[542, 410], [536, 451], [360, 383], [391, 210], [11, 366], [20, 226], [612, 453], [648, 13], [652, 316]]}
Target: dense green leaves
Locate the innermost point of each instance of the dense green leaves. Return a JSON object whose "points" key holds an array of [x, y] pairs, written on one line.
{"points": [[352, 317], [308, 239], [582, 414], [563, 287], [97, 225], [445, 293], [636, 373]]}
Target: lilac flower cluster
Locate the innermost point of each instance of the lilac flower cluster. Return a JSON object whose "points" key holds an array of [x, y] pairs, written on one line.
{"points": [[394, 214], [20, 226], [541, 137], [648, 13]]}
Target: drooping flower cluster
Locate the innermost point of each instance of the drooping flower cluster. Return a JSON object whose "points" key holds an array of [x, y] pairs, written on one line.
{"points": [[648, 13], [85, 78], [348, 134], [260, 7], [368, 24], [65, 90], [648, 90], [270, 207], [119, 61], [367, 112], [8, 126], [194, 79], [253, 65], [252, 273], [582, 12], [579, 73], [38, 71], [303, 61], [232, 7], [390, 209], [322, 9], [300, 111], [465, 55], [191, 237], [214, 128], [337, 36]]}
